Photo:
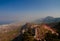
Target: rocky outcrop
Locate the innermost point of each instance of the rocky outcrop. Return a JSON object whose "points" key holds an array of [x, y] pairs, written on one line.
{"points": [[39, 30]]}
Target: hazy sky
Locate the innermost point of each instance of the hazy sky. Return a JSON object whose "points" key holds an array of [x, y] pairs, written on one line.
{"points": [[26, 10]]}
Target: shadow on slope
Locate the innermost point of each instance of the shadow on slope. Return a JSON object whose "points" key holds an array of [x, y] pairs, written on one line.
{"points": [[18, 38]]}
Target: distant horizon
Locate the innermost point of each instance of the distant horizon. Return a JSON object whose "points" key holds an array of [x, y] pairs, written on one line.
{"points": [[22, 22]]}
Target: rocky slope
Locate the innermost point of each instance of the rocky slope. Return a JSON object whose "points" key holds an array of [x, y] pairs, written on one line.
{"points": [[38, 30]]}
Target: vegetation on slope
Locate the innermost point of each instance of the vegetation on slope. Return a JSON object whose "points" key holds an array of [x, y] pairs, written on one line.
{"points": [[8, 36]]}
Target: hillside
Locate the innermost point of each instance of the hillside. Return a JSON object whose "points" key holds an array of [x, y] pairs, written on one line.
{"points": [[32, 32], [9, 31]]}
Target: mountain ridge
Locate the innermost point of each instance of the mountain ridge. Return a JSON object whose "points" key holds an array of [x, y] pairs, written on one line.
{"points": [[47, 19]]}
